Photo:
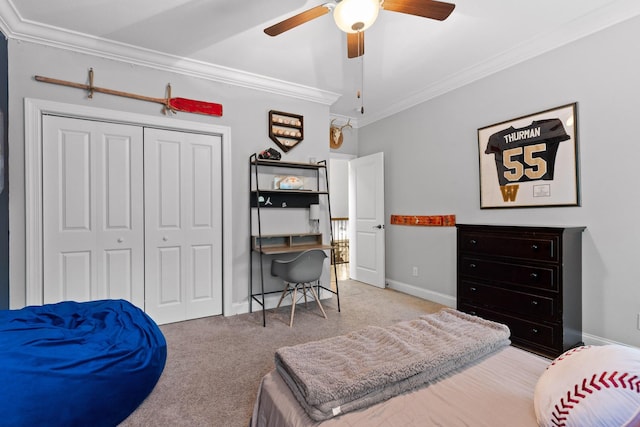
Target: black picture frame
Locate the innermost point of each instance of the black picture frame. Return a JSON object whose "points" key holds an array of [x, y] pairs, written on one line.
{"points": [[530, 161]]}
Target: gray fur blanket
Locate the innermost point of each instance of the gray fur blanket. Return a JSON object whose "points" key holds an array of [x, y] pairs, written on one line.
{"points": [[353, 371]]}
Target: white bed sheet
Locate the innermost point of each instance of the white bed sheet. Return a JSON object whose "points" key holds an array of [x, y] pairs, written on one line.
{"points": [[495, 392]]}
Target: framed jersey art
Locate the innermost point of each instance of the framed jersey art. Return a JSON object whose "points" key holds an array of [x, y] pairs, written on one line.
{"points": [[530, 161]]}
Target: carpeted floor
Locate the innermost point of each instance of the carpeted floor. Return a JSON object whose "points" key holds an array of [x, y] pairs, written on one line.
{"points": [[215, 364]]}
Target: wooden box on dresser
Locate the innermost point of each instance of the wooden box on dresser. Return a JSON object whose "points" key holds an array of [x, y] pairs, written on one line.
{"points": [[527, 277]]}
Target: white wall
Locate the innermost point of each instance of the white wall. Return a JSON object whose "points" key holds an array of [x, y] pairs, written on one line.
{"points": [[431, 156], [339, 184], [245, 112]]}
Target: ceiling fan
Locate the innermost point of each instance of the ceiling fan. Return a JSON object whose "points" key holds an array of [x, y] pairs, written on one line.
{"points": [[355, 16]]}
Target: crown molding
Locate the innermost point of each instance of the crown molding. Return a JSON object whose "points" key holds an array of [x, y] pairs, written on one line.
{"points": [[583, 26], [17, 28]]}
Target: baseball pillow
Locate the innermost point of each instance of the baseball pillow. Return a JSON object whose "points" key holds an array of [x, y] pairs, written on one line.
{"points": [[590, 386]]}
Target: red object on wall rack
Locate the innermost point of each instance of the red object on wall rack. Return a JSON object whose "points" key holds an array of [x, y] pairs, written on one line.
{"points": [[422, 220]]}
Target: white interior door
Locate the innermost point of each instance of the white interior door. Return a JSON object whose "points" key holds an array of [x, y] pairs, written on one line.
{"points": [[183, 225], [366, 207], [93, 231]]}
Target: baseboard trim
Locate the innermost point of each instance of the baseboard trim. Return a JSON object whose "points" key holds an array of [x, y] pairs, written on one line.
{"points": [[447, 300], [596, 340]]}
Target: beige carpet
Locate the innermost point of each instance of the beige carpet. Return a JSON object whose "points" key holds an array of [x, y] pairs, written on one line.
{"points": [[215, 364]]}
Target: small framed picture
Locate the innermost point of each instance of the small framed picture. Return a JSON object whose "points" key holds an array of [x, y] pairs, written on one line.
{"points": [[530, 161]]}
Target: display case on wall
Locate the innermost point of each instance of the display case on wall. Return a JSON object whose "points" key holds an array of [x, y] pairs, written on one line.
{"points": [[286, 129]]}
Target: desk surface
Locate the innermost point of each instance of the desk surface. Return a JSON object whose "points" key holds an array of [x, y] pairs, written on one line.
{"points": [[274, 250]]}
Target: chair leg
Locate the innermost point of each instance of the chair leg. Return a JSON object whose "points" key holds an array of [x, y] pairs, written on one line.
{"points": [[286, 289], [304, 291], [293, 305], [315, 295]]}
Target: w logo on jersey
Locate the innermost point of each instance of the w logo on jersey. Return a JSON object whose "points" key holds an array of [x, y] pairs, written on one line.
{"points": [[509, 192]]}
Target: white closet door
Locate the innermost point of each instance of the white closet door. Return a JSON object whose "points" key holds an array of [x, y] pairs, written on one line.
{"points": [[93, 211], [183, 225]]}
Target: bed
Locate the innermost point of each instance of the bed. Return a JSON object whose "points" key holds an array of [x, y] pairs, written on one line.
{"points": [[504, 387], [77, 363]]}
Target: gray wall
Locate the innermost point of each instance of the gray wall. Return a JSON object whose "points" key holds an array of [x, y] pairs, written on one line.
{"points": [[431, 167], [339, 185], [245, 112]]}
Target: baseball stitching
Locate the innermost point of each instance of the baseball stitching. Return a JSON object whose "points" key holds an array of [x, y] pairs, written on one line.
{"points": [[589, 386], [567, 354]]}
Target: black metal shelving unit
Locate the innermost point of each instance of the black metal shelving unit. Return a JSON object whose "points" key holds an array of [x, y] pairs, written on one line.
{"points": [[261, 198]]}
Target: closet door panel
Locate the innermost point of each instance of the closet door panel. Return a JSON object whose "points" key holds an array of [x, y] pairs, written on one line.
{"points": [[169, 174], [74, 274], [182, 182], [202, 272], [118, 273], [169, 276], [204, 184], [92, 211], [118, 194], [122, 232], [74, 164], [203, 164], [164, 263]]}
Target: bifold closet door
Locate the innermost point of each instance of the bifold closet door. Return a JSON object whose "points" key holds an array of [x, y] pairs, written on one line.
{"points": [[183, 225], [92, 211]]}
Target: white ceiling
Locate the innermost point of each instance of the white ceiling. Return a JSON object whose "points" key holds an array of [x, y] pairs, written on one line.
{"points": [[407, 59]]}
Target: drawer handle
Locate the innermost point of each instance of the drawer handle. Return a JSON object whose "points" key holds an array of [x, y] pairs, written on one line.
{"points": [[534, 275], [473, 241], [473, 289], [534, 247], [534, 302], [534, 330], [472, 265]]}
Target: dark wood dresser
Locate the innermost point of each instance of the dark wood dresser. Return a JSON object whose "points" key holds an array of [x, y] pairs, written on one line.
{"points": [[529, 278]]}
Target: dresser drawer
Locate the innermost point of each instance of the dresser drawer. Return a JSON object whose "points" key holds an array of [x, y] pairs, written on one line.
{"points": [[536, 276], [543, 248], [546, 338], [509, 301]]}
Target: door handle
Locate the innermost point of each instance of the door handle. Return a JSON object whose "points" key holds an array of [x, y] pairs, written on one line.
{"points": [[165, 238], [379, 226], [120, 240]]}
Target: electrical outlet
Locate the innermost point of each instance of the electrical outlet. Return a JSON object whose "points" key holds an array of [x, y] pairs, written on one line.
{"points": [[415, 274]]}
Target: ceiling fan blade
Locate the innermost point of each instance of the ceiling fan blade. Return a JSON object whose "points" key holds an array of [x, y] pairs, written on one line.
{"points": [[425, 8], [296, 20], [355, 44]]}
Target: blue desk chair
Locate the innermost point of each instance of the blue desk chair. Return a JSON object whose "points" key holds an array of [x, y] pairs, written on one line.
{"points": [[299, 274]]}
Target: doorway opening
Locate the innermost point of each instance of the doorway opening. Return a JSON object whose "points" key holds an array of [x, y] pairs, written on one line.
{"points": [[339, 185], [340, 230]]}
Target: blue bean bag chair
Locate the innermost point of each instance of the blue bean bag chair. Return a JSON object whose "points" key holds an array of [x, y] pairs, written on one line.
{"points": [[77, 364]]}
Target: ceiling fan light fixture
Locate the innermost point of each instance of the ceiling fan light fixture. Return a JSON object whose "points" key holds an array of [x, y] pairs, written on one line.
{"points": [[352, 16]]}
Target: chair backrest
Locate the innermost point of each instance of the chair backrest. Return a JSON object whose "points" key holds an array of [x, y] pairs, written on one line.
{"points": [[305, 268]]}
